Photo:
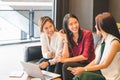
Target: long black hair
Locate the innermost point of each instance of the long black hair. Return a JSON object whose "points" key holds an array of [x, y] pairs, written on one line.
{"points": [[68, 32], [107, 23]]}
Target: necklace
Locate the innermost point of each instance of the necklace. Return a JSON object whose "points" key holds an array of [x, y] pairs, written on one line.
{"points": [[75, 40]]}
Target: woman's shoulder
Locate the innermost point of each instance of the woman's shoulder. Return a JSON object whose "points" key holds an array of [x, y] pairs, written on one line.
{"points": [[113, 38], [42, 34], [57, 34], [114, 41], [85, 31]]}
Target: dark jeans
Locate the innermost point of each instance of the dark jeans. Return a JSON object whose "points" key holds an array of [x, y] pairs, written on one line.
{"points": [[58, 69], [49, 68], [95, 75], [66, 74]]}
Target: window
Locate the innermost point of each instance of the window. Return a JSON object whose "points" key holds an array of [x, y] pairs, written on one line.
{"points": [[18, 20]]}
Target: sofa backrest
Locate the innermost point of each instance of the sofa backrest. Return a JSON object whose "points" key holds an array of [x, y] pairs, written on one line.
{"points": [[96, 38]]}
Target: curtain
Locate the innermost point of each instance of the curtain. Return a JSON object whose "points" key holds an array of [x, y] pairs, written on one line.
{"points": [[61, 7]]}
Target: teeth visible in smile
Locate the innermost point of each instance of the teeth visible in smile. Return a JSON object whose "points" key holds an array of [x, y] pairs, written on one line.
{"points": [[74, 29]]}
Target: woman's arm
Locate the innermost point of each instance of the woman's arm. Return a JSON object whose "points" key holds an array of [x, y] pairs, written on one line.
{"points": [[61, 49], [74, 59], [45, 50], [88, 46], [65, 52], [63, 46], [115, 47]]}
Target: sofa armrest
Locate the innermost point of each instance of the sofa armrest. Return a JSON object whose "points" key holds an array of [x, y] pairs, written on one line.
{"points": [[32, 53]]}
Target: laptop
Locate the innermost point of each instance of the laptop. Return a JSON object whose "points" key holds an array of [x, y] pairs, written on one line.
{"points": [[33, 70]]}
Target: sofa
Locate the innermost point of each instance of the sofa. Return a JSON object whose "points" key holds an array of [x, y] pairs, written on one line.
{"points": [[33, 53]]}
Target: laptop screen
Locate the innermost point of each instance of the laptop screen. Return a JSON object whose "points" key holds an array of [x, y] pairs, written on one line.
{"points": [[33, 70]]}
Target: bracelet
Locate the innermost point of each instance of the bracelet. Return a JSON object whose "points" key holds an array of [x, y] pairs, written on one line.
{"points": [[48, 63], [86, 69]]}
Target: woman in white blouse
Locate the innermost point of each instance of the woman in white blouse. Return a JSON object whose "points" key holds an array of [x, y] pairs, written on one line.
{"points": [[52, 44], [105, 66]]}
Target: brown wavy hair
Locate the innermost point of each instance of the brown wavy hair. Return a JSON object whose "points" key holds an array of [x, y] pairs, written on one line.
{"points": [[43, 20]]}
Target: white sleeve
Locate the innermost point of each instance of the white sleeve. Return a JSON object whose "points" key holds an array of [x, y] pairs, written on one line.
{"points": [[59, 49], [52, 62], [45, 48], [60, 45]]}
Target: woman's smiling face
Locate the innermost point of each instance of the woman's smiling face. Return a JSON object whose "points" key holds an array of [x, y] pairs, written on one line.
{"points": [[48, 28], [73, 25]]}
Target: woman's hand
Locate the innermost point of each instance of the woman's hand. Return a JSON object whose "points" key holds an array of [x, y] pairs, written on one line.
{"points": [[43, 65], [77, 70], [63, 34], [60, 59], [50, 55]]}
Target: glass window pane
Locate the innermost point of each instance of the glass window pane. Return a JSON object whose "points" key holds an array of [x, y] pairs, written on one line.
{"points": [[20, 23]]}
